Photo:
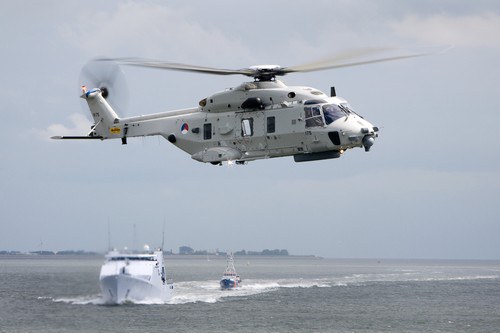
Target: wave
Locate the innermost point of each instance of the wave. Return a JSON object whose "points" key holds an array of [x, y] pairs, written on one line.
{"points": [[79, 300], [98, 300], [209, 291], [412, 277]]}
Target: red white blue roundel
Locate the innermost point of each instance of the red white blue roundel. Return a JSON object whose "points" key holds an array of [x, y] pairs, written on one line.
{"points": [[184, 128]]}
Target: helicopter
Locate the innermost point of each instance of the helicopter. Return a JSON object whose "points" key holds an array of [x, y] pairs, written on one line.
{"points": [[258, 119]]}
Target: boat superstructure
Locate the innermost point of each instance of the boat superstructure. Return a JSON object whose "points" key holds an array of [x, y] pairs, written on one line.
{"points": [[230, 279], [135, 277]]}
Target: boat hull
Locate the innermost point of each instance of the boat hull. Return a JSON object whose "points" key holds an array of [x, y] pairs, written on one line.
{"points": [[228, 284], [118, 289]]}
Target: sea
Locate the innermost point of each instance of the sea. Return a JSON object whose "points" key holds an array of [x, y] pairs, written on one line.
{"points": [[278, 294]]}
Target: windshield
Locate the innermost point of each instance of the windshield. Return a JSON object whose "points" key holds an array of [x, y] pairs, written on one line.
{"points": [[333, 112], [348, 109]]}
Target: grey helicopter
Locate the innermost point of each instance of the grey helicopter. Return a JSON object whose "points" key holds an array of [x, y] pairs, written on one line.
{"points": [[258, 119]]}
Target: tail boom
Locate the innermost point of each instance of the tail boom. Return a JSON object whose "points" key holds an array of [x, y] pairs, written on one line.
{"points": [[105, 118]]}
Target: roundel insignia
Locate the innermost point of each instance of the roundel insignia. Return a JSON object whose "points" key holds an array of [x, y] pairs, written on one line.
{"points": [[184, 128]]}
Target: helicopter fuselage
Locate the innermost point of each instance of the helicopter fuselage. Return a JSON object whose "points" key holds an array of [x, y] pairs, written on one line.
{"points": [[252, 121]]}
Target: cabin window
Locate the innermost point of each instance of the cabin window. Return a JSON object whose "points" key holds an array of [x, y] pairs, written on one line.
{"points": [[247, 127], [271, 124], [313, 116], [207, 131]]}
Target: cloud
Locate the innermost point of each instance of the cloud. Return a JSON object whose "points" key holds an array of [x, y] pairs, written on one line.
{"points": [[468, 31], [400, 183], [79, 126], [149, 30]]}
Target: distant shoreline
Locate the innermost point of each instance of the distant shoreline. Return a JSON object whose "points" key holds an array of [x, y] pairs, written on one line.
{"points": [[374, 261], [167, 254]]}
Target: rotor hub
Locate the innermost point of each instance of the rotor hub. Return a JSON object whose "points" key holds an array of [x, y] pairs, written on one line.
{"points": [[104, 92]]}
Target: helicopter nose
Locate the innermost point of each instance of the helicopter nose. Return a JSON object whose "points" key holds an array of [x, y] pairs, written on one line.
{"points": [[354, 133], [368, 133]]}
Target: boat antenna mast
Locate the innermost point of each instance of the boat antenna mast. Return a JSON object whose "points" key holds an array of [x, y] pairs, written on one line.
{"points": [[230, 264], [134, 241], [109, 235], [163, 236]]}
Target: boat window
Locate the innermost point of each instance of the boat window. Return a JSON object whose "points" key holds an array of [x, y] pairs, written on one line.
{"points": [[313, 116], [133, 258], [247, 127], [271, 124], [333, 112], [207, 131]]}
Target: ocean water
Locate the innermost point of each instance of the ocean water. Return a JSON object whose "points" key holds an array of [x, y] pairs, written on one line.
{"points": [[295, 294]]}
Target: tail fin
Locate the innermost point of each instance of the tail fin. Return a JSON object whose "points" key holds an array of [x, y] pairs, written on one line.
{"points": [[105, 118]]}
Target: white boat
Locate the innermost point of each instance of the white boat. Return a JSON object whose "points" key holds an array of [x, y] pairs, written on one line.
{"points": [[230, 279], [135, 277]]}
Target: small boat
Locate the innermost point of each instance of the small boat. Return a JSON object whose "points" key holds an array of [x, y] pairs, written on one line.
{"points": [[135, 277], [230, 279]]}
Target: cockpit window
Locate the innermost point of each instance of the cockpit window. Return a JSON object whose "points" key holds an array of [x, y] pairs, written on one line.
{"points": [[313, 116], [333, 112]]}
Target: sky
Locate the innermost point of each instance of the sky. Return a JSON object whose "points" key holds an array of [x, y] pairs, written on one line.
{"points": [[429, 188]]}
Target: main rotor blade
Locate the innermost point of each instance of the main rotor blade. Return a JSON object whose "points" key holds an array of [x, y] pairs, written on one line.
{"points": [[341, 60], [180, 67], [349, 58]]}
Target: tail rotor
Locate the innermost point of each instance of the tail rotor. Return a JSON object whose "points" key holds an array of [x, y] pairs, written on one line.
{"points": [[110, 79]]}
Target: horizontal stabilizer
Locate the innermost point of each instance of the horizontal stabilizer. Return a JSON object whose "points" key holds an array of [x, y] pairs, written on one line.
{"points": [[59, 137]]}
